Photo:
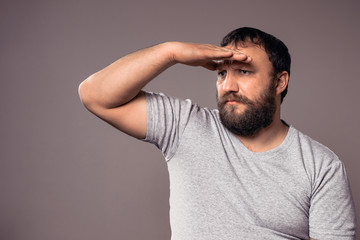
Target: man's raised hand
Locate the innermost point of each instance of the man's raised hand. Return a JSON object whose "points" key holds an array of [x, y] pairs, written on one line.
{"points": [[205, 55]]}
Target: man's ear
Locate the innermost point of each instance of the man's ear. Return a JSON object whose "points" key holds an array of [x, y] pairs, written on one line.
{"points": [[282, 81]]}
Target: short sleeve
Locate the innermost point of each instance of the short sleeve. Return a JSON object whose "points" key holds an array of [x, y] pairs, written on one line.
{"points": [[332, 212], [167, 119]]}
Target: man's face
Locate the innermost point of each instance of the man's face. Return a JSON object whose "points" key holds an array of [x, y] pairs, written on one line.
{"points": [[246, 92]]}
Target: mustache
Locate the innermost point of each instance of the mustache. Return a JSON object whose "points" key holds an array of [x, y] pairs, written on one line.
{"points": [[234, 97]]}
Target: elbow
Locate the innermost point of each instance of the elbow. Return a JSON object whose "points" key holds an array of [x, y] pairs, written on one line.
{"points": [[84, 92]]}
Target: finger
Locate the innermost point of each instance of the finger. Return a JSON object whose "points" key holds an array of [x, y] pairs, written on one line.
{"points": [[220, 54], [241, 57], [237, 55], [232, 55]]}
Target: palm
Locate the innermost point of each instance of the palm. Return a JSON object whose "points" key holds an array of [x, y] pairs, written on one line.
{"points": [[193, 54]]}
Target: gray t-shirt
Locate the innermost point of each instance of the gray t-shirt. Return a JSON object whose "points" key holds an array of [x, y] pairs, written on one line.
{"points": [[221, 190]]}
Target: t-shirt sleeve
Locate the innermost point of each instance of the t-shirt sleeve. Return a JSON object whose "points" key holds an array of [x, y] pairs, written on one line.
{"points": [[166, 120], [332, 213]]}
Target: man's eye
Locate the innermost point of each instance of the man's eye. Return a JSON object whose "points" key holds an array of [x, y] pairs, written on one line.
{"points": [[244, 71], [222, 74]]}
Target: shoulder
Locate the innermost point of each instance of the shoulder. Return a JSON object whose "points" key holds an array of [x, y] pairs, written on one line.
{"points": [[180, 105], [317, 159], [316, 150], [162, 100]]}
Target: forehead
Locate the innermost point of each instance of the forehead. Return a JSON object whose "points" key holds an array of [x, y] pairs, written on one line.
{"points": [[246, 46], [256, 52]]}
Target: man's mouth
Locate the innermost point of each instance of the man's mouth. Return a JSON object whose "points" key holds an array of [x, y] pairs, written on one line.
{"points": [[231, 101]]}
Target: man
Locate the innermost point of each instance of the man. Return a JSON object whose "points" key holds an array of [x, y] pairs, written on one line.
{"points": [[238, 172]]}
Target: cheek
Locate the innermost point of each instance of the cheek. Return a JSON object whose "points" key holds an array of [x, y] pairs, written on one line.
{"points": [[219, 88], [249, 87], [255, 86]]}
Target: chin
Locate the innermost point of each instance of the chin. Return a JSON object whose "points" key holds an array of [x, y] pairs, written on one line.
{"points": [[236, 109]]}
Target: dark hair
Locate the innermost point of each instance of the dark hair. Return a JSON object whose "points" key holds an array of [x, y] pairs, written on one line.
{"points": [[276, 50]]}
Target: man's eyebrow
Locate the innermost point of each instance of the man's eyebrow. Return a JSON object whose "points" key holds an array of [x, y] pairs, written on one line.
{"points": [[221, 64]]}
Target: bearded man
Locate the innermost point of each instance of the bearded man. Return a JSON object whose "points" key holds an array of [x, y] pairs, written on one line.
{"points": [[239, 171]]}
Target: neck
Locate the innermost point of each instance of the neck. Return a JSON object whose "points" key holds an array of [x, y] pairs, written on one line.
{"points": [[266, 138]]}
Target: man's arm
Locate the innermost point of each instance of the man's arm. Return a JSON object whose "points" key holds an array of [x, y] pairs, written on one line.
{"points": [[114, 93]]}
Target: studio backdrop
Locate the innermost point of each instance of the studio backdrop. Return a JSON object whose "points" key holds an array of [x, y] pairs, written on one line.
{"points": [[65, 174]]}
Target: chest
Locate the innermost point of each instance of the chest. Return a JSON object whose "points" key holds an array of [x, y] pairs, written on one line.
{"points": [[229, 188]]}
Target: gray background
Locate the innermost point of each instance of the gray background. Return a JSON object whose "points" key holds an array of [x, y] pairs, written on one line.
{"points": [[65, 174]]}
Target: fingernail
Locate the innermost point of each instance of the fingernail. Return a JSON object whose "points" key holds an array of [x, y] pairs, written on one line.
{"points": [[218, 61]]}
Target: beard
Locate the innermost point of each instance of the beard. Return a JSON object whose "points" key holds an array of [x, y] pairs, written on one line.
{"points": [[257, 114]]}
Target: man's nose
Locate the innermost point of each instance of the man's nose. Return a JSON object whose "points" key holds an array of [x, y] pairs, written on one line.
{"points": [[230, 84]]}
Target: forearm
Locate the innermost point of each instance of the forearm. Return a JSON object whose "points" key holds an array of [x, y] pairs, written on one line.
{"points": [[122, 80]]}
